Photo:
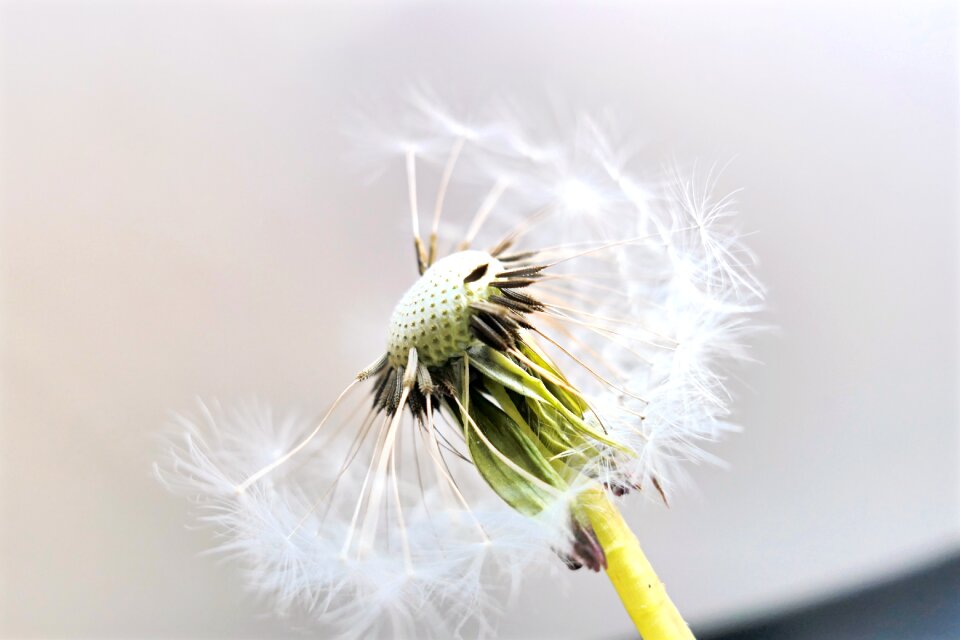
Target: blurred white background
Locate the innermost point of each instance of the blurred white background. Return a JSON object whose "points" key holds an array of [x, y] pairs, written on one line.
{"points": [[181, 216]]}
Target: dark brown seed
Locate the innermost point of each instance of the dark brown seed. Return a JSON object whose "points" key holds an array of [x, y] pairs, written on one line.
{"points": [[523, 298], [385, 385], [515, 257], [516, 283], [499, 324], [522, 272], [656, 485], [504, 244], [476, 274], [487, 335]]}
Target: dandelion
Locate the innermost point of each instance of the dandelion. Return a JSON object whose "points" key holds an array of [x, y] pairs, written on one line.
{"points": [[559, 350]]}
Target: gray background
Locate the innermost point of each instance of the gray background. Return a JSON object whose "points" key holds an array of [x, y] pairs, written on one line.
{"points": [[180, 217]]}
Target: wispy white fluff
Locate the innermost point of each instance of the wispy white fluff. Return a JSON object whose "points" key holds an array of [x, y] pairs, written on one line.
{"points": [[653, 291], [289, 538]]}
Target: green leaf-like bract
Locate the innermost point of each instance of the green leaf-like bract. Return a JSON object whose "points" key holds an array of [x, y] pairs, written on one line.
{"points": [[528, 431]]}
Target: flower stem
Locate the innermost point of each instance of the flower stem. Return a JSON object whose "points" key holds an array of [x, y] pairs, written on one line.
{"points": [[643, 595]]}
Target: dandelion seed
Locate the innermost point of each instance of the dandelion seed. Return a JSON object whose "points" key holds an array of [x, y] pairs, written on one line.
{"points": [[562, 351]]}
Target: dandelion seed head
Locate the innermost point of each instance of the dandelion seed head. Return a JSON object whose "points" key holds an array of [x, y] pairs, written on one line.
{"points": [[573, 328]]}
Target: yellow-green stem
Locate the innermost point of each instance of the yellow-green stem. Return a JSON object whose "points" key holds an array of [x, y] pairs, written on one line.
{"points": [[643, 595]]}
